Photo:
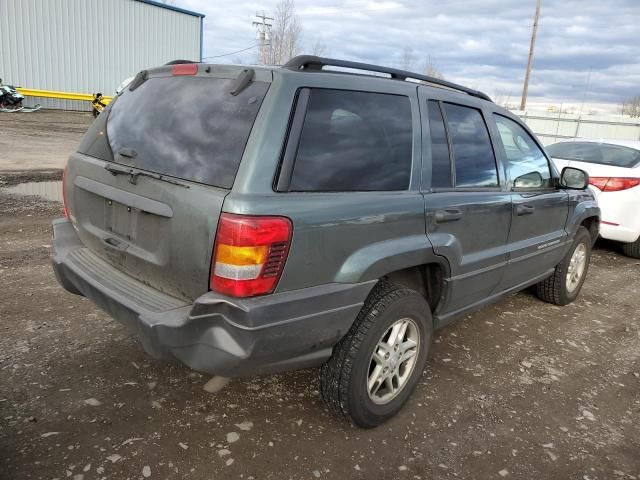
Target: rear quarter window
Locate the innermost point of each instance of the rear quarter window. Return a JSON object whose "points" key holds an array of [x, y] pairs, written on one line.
{"points": [[354, 141]]}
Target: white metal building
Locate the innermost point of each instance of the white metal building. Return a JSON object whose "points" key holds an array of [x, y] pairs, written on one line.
{"points": [[88, 46]]}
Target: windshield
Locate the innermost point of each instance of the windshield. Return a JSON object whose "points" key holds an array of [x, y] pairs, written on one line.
{"points": [[600, 153], [186, 127]]}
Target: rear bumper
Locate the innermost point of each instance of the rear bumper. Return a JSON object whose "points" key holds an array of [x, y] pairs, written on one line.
{"points": [[619, 233], [215, 334], [620, 219]]}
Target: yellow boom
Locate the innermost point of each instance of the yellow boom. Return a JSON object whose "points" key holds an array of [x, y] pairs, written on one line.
{"points": [[87, 97]]}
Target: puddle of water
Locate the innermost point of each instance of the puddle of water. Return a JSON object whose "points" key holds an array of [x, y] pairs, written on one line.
{"points": [[47, 190]]}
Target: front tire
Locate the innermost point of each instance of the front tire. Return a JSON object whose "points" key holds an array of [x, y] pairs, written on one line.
{"points": [[632, 249], [565, 284], [377, 365]]}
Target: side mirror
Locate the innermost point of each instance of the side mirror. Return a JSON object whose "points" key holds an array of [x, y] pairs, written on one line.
{"points": [[529, 180], [574, 179]]}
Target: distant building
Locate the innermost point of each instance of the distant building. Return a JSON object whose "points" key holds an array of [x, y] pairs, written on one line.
{"points": [[90, 46]]}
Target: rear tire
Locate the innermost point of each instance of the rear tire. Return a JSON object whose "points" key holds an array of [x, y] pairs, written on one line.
{"points": [[565, 284], [373, 372], [632, 249]]}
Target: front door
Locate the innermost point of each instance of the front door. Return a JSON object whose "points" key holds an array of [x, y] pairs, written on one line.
{"points": [[537, 238]]}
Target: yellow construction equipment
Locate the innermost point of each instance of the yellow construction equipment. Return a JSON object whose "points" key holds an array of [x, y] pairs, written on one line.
{"points": [[87, 97]]}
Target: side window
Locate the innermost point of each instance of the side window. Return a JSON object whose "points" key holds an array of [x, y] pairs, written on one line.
{"points": [[354, 141], [472, 152], [440, 162], [527, 165]]}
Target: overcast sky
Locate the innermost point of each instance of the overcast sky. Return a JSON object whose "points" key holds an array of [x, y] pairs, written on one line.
{"points": [[584, 48]]}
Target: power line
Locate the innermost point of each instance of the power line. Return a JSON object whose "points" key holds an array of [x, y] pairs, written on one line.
{"points": [[233, 53]]}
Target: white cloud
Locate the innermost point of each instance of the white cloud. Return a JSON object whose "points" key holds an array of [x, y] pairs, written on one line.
{"points": [[482, 44]]}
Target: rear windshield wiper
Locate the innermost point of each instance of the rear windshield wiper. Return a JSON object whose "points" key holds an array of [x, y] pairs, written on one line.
{"points": [[133, 175]]}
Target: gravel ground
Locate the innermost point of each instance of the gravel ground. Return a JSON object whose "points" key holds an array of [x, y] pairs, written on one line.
{"points": [[40, 140], [521, 389]]}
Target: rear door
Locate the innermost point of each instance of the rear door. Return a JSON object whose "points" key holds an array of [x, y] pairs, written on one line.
{"points": [[146, 187], [539, 209], [467, 212]]}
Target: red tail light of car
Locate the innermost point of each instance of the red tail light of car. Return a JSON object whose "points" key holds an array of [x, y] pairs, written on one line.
{"points": [[614, 184], [249, 254]]}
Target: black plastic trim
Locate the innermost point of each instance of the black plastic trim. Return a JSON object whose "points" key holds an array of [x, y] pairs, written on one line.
{"points": [[293, 141], [313, 63]]}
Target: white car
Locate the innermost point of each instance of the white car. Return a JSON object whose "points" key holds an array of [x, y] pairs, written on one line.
{"points": [[614, 175]]}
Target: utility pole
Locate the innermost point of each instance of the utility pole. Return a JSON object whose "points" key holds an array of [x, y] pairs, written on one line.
{"points": [[263, 34], [525, 90]]}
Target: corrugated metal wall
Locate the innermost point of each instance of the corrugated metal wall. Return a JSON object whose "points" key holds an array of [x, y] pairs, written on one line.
{"points": [[88, 46]]}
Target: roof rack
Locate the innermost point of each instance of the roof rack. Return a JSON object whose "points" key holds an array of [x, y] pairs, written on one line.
{"points": [[311, 62]]}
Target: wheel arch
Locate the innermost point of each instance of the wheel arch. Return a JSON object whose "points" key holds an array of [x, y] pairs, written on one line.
{"points": [[586, 213], [592, 224], [427, 279]]}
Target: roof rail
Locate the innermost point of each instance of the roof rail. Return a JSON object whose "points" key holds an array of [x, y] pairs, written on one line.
{"points": [[311, 62]]}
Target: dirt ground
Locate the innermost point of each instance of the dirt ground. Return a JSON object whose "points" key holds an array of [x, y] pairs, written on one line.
{"points": [[521, 389], [40, 140]]}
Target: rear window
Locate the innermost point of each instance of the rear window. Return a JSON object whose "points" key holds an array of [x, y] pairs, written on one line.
{"points": [[186, 127], [601, 153]]}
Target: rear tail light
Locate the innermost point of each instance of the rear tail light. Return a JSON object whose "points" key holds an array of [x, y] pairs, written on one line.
{"points": [[64, 192], [614, 184], [184, 69], [249, 254]]}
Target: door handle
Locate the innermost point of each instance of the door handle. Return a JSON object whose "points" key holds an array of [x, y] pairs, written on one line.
{"points": [[448, 215], [525, 210]]}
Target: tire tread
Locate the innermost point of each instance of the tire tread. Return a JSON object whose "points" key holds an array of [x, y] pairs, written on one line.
{"points": [[632, 249], [336, 372], [553, 288]]}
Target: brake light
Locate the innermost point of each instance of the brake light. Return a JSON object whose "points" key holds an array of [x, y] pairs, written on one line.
{"points": [[249, 254], [599, 182], [64, 192], [184, 69], [614, 184]]}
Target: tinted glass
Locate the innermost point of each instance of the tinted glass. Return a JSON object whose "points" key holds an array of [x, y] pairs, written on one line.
{"points": [[472, 152], [602, 153], [354, 141], [527, 165], [440, 162], [186, 127]]}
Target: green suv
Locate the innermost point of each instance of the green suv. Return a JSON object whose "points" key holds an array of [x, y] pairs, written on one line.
{"points": [[332, 214]]}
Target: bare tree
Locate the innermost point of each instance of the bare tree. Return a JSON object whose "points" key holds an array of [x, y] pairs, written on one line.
{"points": [[631, 107], [285, 36], [408, 59], [502, 98], [432, 70], [319, 49]]}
